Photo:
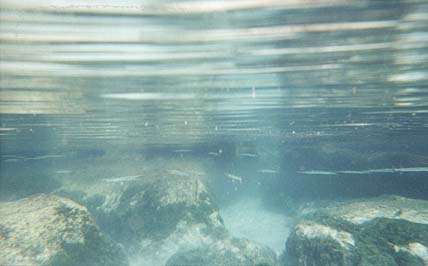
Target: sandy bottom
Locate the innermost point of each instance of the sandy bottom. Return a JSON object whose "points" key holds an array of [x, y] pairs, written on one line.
{"points": [[248, 218]]}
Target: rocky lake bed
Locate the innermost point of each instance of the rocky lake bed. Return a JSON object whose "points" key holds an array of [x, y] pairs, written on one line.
{"points": [[171, 217]]}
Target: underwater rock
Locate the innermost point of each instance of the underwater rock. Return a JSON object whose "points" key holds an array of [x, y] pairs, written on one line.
{"points": [[386, 230], [363, 210], [149, 204], [228, 252], [155, 214], [161, 212], [176, 213], [152, 209], [51, 230], [318, 244]]}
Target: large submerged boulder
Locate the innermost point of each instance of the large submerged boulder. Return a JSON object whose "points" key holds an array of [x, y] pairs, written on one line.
{"points": [[154, 208], [150, 206], [388, 230], [166, 210], [51, 230]]}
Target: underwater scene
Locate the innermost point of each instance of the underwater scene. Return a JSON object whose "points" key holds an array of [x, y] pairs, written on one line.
{"points": [[214, 133]]}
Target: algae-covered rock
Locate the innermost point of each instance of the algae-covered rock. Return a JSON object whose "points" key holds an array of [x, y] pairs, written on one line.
{"points": [[151, 204], [154, 214], [153, 209], [156, 218], [227, 252], [318, 244], [51, 230], [165, 212], [387, 230], [366, 209]]}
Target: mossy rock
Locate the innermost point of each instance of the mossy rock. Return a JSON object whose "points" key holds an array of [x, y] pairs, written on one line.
{"points": [[96, 249], [50, 230], [379, 239], [378, 242], [152, 209]]}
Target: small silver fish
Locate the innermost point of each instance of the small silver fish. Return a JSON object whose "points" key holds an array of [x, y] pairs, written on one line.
{"points": [[183, 151], [44, 157], [122, 179], [267, 171], [353, 172], [11, 160], [317, 173], [412, 169], [387, 170], [234, 177], [251, 155], [63, 172]]}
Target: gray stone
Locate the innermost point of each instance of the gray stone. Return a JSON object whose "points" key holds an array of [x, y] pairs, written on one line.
{"points": [[150, 208], [162, 212], [149, 205], [318, 244], [155, 214], [51, 230], [388, 230]]}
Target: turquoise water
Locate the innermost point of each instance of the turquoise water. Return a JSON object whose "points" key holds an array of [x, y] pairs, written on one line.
{"points": [[275, 103]]}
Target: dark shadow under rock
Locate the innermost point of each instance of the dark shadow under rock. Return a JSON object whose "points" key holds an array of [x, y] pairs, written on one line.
{"points": [[228, 252]]}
